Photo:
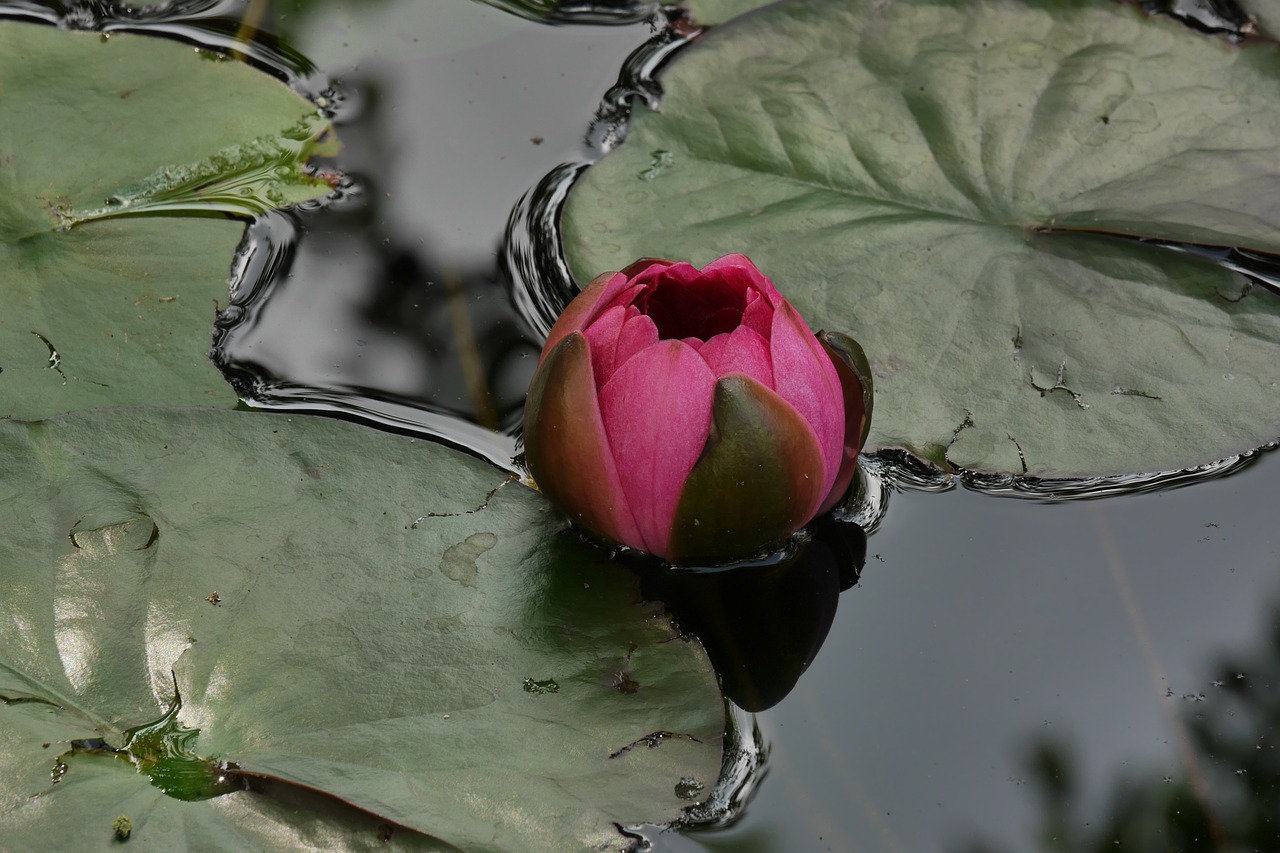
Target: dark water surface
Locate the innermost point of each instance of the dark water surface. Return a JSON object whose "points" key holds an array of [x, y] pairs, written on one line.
{"points": [[983, 627], [1114, 638]]}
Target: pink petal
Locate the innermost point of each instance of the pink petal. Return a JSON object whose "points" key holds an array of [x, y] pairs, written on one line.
{"points": [[743, 351], [740, 270], [599, 294], [844, 479], [638, 332], [602, 334], [650, 270], [657, 414], [758, 315], [805, 378]]}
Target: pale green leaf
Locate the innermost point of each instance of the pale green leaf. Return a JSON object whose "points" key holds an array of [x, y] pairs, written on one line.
{"points": [[101, 306], [712, 12], [924, 175], [395, 624]]}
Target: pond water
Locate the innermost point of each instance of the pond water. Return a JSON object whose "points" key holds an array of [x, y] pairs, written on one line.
{"points": [[1129, 642]]}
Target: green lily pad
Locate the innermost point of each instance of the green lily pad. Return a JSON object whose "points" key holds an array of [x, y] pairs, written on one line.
{"points": [[383, 626], [712, 12], [941, 179], [101, 305], [82, 810]]}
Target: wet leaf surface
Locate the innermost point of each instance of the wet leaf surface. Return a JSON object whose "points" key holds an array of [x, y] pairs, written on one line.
{"points": [[365, 624], [712, 12], [102, 306], [81, 812], [944, 182]]}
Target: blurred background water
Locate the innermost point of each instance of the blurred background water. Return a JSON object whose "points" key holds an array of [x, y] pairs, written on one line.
{"points": [[1002, 673]]}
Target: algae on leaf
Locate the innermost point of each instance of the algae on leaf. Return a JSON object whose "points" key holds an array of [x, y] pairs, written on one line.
{"points": [[944, 180], [101, 307], [362, 624]]}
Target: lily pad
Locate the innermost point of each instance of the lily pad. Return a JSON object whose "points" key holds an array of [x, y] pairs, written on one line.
{"points": [[712, 12], [955, 185], [100, 305], [81, 812], [402, 628]]}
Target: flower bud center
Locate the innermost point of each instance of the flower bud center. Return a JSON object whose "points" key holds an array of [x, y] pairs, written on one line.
{"points": [[701, 308]]}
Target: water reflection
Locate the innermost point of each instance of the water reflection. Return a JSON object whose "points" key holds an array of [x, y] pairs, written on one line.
{"points": [[1226, 796], [420, 346], [392, 302], [532, 260], [1210, 16], [401, 275], [902, 470], [579, 11], [213, 24], [541, 284], [762, 624]]}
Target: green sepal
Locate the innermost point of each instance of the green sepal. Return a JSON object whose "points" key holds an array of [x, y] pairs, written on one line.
{"points": [[565, 445], [855, 381], [758, 480]]}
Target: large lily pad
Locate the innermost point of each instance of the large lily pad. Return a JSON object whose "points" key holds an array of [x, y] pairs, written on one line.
{"points": [[101, 306], [928, 176], [400, 627], [711, 12], [100, 790]]}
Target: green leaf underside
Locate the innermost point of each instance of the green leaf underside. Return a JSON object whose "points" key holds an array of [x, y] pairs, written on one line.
{"points": [[119, 309], [890, 168], [371, 641], [749, 489]]}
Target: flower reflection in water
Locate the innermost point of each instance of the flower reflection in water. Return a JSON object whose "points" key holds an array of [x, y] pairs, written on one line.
{"points": [[763, 623]]}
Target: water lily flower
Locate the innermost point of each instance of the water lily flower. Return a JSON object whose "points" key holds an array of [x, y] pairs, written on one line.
{"points": [[692, 413]]}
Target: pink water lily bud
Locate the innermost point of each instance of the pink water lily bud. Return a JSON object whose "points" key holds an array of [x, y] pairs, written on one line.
{"points": [[692, 413]]}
